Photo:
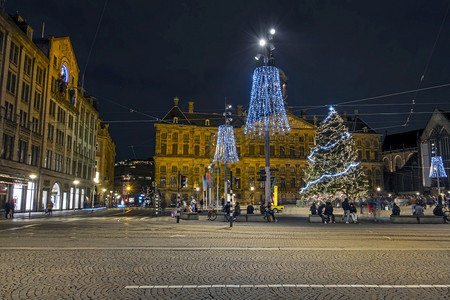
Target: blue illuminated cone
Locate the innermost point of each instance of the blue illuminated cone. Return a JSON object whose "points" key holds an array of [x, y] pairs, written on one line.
{"points": [[225, 146], [266, 103], [437, 169]]}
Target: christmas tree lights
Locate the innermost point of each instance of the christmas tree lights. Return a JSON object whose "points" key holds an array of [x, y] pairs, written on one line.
{"points": [[266, 103], [333, 169], [437, 169], [225, 146]]}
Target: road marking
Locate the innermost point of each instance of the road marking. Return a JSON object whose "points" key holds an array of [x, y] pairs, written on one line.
{"points": [[372, 286], [21, 227], [37, 248]]}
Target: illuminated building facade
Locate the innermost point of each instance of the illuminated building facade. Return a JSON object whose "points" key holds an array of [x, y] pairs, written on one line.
{"points": [[185, 144], [48, 125]]}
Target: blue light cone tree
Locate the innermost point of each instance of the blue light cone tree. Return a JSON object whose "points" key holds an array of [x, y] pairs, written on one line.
{"points": [[437, 169], [266, 103], [333, 170], [225, 146]]}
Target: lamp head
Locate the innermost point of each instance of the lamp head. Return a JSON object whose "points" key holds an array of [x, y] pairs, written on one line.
{"points": [[262, 42]]}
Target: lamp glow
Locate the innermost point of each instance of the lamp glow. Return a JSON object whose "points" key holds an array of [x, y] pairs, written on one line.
{"points": [[262, 42]]}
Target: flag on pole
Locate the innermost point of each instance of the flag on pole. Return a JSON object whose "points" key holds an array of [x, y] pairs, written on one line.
{"points": [[204, 183]]}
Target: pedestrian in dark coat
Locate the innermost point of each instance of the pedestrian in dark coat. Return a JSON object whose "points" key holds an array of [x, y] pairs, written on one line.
{"points": [[313, 209], [329, 212], [7, 209], [320, 211]]}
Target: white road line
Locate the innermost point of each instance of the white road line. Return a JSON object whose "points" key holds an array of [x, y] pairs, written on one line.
{"points": [[372, 286], [21, 227], [38, 248]]}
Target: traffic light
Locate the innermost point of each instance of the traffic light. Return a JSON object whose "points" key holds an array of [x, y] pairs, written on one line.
{"points": [[231, 179], [237, 182], [184, 181]]}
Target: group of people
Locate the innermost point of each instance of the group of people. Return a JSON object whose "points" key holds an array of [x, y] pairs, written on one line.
{"points": [[325, 211]]}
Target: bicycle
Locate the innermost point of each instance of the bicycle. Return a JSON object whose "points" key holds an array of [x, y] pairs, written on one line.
{"points": [[212, 215]]}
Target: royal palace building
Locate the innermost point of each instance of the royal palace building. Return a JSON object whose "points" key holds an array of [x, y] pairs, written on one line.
{"points": [[185, 145], [48, 124]]}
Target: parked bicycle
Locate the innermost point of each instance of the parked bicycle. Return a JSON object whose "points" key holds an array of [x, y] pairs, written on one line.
{"points": [[212, 214]]}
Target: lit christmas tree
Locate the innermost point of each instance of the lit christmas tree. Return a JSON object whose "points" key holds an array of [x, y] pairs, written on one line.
{"points": [[333, 170]]}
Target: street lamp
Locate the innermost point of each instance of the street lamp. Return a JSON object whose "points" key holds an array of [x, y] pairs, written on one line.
{"points": [[267, 190], [75, 182], [33, 187]]}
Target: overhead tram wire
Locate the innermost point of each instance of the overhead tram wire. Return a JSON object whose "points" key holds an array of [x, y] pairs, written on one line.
{"points": [[93, 42], [379, 97], [426, 66]]}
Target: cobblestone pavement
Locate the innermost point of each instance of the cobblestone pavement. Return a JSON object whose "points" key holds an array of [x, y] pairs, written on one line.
{"points": [[139, 257]]}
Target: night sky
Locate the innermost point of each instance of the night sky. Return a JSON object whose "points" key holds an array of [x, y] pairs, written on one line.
{"points": [[333, 52]]}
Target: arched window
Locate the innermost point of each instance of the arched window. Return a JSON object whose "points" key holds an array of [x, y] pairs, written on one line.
{"points": [[207, 122], [387, 164], [398, 163], [175, 120]]}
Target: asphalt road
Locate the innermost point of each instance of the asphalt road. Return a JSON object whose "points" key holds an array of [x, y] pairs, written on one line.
{"points": [[110, 255]]}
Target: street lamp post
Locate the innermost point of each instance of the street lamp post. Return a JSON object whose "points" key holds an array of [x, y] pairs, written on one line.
{"points": [[267, 45], [75, 182], [32, 177]]}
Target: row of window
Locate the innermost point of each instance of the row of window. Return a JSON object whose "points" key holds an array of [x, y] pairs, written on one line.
{"points": [[22, 152], [291, 138]]}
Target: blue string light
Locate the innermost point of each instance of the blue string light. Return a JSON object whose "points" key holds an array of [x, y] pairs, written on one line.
{"points": [[332, 162], [329, 176], [225, 146], [437, 169], [347, 135], [266, 83]]}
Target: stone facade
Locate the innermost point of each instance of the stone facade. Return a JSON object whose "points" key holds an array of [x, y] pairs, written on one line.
{"points": [[185, 144], [105, 160], [48, 124], [435, 137]]}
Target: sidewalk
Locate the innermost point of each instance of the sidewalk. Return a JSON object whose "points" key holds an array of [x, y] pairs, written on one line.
{"points": [[55, 213], [382, 215]]}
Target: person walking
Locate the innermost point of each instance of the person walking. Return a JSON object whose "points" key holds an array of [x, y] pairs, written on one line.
{"points": [[346, 208], [193, 204], [179, 208], [13, 207], [237, 211], [227, 211], [329, 212], [361, 203], [50, 208], [7, 209]]}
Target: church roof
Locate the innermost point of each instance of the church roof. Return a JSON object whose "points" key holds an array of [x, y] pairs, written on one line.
{"points": [[399, 141]]}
